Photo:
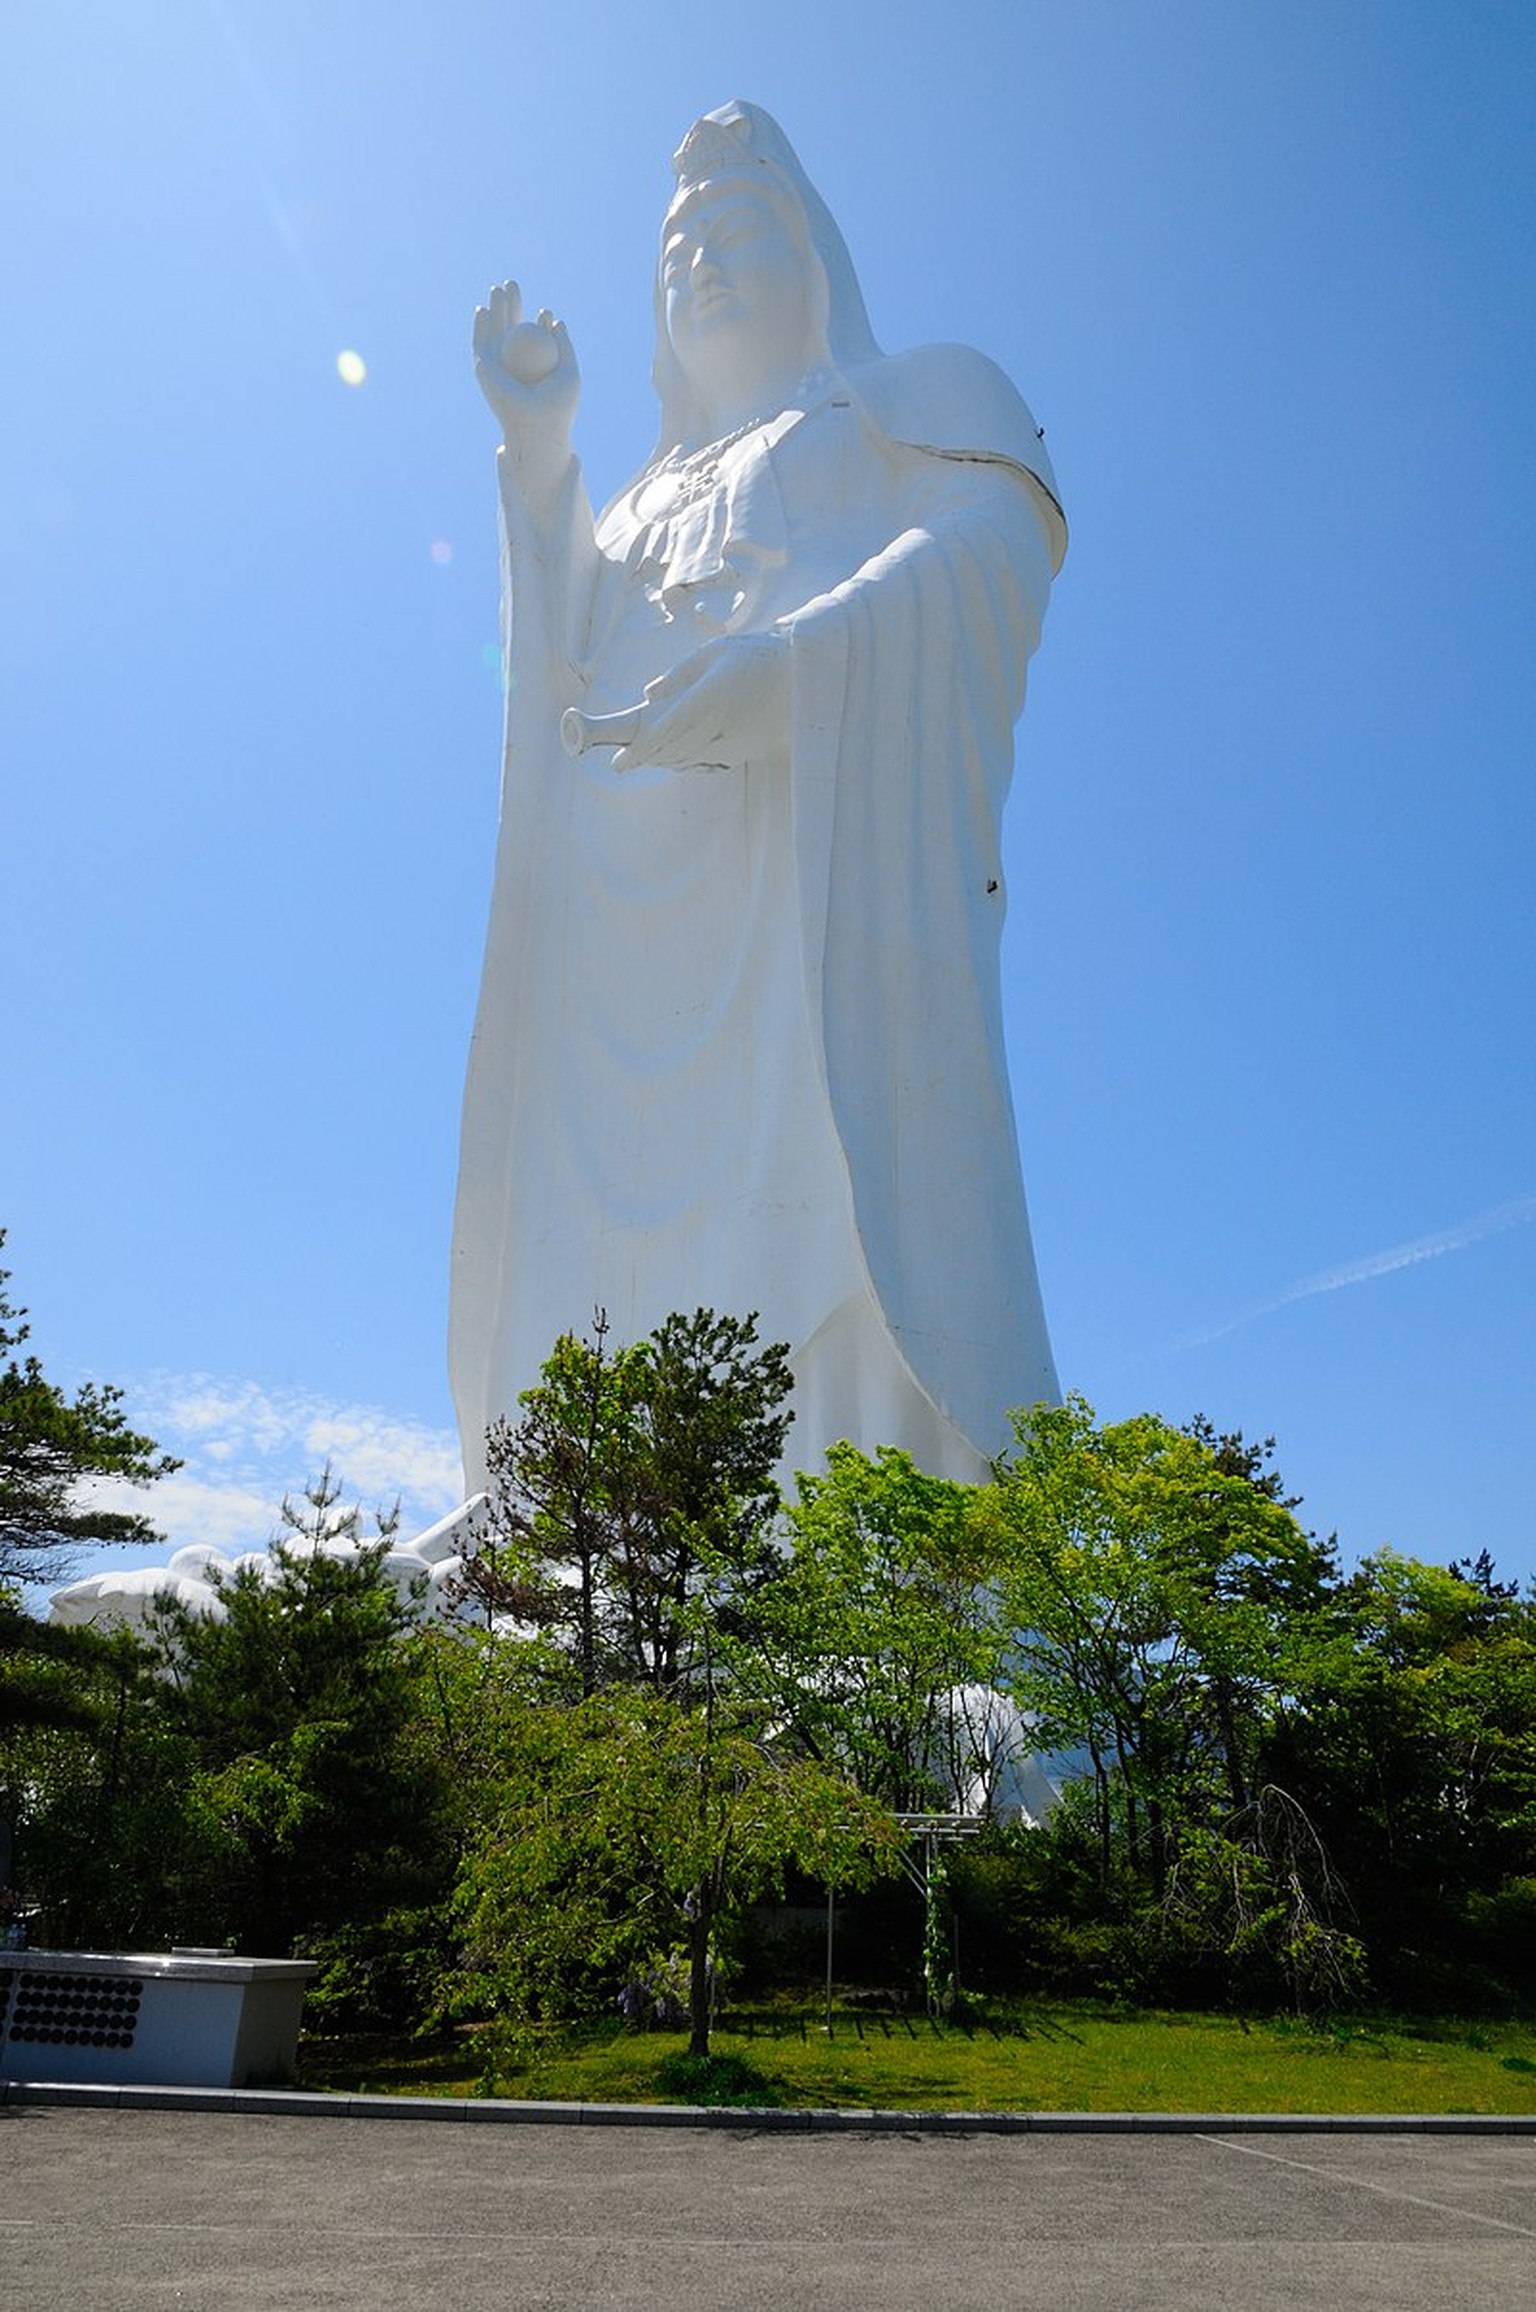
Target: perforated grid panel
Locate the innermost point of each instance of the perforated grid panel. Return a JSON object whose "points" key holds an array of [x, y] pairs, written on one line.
{"points": [[59, 2010]]}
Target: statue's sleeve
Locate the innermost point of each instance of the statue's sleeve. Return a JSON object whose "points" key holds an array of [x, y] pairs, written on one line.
{"points": [[549, 570], [906, 680], [550, 566]]}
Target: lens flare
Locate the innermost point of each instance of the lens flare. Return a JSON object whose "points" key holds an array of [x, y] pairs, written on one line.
{"points": [[441, 552], [351, 368]]}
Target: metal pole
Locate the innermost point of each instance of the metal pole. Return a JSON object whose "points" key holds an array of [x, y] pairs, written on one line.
{"points": [[829, 1958]]}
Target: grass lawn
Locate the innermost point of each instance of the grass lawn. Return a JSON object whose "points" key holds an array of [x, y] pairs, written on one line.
{"points": [[1059, 2058]]}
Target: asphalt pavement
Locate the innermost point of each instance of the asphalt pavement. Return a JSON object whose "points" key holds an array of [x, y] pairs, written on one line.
{"points": [[117, 2209]]}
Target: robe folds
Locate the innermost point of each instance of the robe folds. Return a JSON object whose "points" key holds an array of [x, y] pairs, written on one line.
{"points": [[739, 1041]]}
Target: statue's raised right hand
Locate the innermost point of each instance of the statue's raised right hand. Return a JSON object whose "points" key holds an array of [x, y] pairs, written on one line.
{"points": [[527, 372]]}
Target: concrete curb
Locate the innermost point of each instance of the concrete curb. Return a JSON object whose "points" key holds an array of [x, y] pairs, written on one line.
{"points": [[302, 2103]]}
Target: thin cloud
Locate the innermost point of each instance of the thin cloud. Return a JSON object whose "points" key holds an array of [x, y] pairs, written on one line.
{"points": [[245, 1446], [186, 1508], [1515, 1213]]}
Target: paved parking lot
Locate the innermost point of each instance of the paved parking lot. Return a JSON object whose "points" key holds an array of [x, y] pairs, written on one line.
{"points": [[123, 2209]]}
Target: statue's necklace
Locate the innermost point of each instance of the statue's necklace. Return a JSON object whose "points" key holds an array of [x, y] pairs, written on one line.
{"points": [[694, 473]]}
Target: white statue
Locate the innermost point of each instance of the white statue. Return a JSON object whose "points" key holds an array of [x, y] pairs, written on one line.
{"points": [[739, 1042]]}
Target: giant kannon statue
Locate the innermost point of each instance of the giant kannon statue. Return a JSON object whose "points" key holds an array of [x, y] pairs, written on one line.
{"points": [[739, 1040]]}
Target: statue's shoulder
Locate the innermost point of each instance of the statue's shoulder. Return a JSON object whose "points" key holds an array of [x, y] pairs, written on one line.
{"points": [[952, 399]]}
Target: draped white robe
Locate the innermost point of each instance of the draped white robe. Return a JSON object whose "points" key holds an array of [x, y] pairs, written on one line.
{"points": [[739, 1042]]}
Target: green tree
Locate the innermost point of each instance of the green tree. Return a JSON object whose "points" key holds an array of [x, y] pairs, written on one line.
{"points": [[1411, 1740], [881, 1613], [1150, 1588], [302, 1699], [629, 1824], [45, 1672], [278, 1770], [563, 1487], [714, 1424], [51, 1447], [633, 1501], [112, 1849]]}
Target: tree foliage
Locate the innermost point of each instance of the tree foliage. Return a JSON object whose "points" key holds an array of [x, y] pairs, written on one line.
{"points": [[262, 1775], [633, 1501], [1150, 1589], [51, 1446], [627, 1825], [1413, 1734], [299, 1699], [1288, 1783], [877, 1621]]}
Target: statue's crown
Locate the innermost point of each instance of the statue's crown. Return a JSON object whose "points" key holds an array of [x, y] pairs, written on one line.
{"points": [[714, 148]]}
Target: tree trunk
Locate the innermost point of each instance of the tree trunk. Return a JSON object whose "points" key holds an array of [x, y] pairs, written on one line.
{"points": [[1226, 1719], [699, 2000]]}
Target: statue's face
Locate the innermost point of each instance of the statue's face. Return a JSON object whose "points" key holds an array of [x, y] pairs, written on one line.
{"points": [[734, 281]]}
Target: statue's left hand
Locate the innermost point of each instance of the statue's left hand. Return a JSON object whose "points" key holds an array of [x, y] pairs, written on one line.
{"points": [[527, 372], [726, 706]]}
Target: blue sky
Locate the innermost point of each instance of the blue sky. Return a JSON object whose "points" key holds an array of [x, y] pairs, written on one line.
{"points": [[1266, 276]]}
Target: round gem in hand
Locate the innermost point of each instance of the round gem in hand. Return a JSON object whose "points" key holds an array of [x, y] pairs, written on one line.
{"points": [[529, 352]]}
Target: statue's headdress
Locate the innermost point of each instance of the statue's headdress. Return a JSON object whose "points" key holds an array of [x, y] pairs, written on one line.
{"points": [[741, 139]]}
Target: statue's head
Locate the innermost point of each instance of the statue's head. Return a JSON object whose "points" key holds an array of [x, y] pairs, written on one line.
{"points": [[753, 279]]}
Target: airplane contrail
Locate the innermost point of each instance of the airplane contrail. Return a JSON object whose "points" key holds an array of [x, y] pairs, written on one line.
{"points": [[1514, 1213]]}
